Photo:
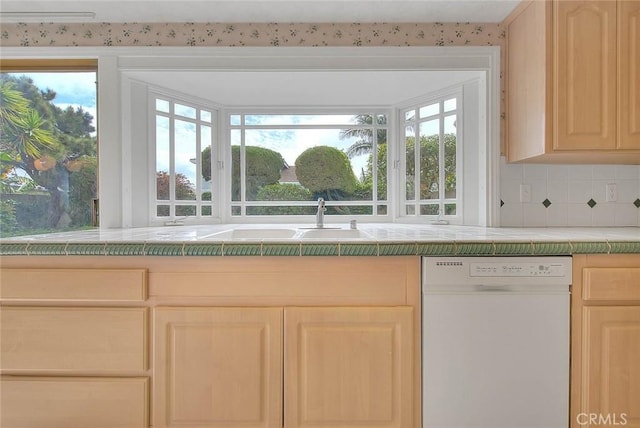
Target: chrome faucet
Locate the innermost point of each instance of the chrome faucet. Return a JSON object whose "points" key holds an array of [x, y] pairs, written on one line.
{"points": [[320, 213]]}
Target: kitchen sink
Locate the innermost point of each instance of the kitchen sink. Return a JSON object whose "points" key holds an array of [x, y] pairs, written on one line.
{"points": [[333, 233], [255, 234]]}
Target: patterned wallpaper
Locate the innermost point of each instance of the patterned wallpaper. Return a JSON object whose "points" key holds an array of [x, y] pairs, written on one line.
{"points": [[267, 34], [271, 34]]}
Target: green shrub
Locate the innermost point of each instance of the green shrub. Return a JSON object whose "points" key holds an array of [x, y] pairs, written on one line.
{"points": [[263, 167], [326, 171], [8, 222], [283, 192]]}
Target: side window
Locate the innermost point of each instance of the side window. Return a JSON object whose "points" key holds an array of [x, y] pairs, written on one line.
{"points": [[183, 159], [432, 158], [48, 146]]}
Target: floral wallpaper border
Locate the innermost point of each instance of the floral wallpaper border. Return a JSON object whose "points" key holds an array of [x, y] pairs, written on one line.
{"points": [[250, 34], [259, 34]]}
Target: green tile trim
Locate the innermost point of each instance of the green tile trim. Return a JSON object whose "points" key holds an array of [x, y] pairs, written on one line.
{"points": [[319, 250], [78, 249], [164, 249], [281, 249], [436, 249], [620, 247], [358, 249], [242, 249], [590, 247], [513, 248], [398, 249], [552, 249], [125, 249], [49, 249], [203, 249], [474, 248], [14, 249]]}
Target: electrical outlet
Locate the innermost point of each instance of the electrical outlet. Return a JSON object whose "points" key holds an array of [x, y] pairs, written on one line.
{"points": [[525, 193], [612, 192]]}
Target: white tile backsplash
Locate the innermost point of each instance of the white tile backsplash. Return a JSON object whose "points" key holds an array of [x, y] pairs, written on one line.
{"points": [[569, 188]]}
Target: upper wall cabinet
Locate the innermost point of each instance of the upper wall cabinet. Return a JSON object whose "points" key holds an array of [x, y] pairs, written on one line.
{"points": [[573, 91]]}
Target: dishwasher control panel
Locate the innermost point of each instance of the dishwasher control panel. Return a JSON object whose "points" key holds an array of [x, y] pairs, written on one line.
{"points": [[518, 269]]}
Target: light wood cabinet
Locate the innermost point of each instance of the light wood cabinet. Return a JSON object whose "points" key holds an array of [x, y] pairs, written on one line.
{"points": [[572, 82], [605, 350], [348, 367], [74, 347], [218, 367], [211, 341]]}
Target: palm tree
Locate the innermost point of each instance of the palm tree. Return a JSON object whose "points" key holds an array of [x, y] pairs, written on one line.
{"points": [[364, 144]]}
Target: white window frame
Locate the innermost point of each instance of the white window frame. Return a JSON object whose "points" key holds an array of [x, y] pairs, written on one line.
{"points": [[438, 97], [121, 188], [278, 110], [199, 105]]}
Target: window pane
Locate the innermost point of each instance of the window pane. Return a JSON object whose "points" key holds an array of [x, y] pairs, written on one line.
{"points": [[163, 155], [235, 120], [450, 157], [205, 116], [411, 210], [49, 157], [450, 105], [206, 167], [429, 159], [429, 209], [184, 111], [410, 146], [162, 105], [382, 210], [162, 211], [205, 211], [185, 161], [409, 115], [185, 210], [281, 210], [450, 209], [429, 110], [382, 165], [304, 119]]}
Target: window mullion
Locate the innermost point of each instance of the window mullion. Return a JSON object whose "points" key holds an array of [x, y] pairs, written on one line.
{"points": [[441, 159], [172, 162]]}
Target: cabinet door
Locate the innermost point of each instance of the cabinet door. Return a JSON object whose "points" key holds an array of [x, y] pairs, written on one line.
{"points": [[611, 363], [629, 71], [348, 367], [585, 75], [218, 367]]}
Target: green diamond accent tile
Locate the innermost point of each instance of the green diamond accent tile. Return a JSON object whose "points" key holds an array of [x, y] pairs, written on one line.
{"points": [[624, 247], [47, 249], [78, 249], [14, 249], [242, 249], [398, 249], [552, 248], [203, 249], [590, 247], [546, 203], [474, 248], [163, 249], [592, 203], [513, 248], [125, 249], [358, 250], [436, 249], [637, 203], [320, 250], [281, 249]]}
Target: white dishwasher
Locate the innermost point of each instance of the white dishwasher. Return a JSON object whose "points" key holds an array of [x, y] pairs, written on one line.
{"points": [[495, 342]]}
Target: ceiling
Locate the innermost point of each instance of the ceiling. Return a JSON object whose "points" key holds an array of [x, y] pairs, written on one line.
{"points": [[257, 11]]}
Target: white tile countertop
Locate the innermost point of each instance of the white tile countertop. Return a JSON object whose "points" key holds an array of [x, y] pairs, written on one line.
{"points": [[369, 239], [372, 232]]}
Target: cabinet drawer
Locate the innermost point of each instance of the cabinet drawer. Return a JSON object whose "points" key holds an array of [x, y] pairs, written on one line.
{"points": [[74, 402], [80, 339], [611, 284], [74, 284]]}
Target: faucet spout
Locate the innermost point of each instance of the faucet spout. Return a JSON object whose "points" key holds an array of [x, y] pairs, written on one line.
{"points": [[320, 214]]}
